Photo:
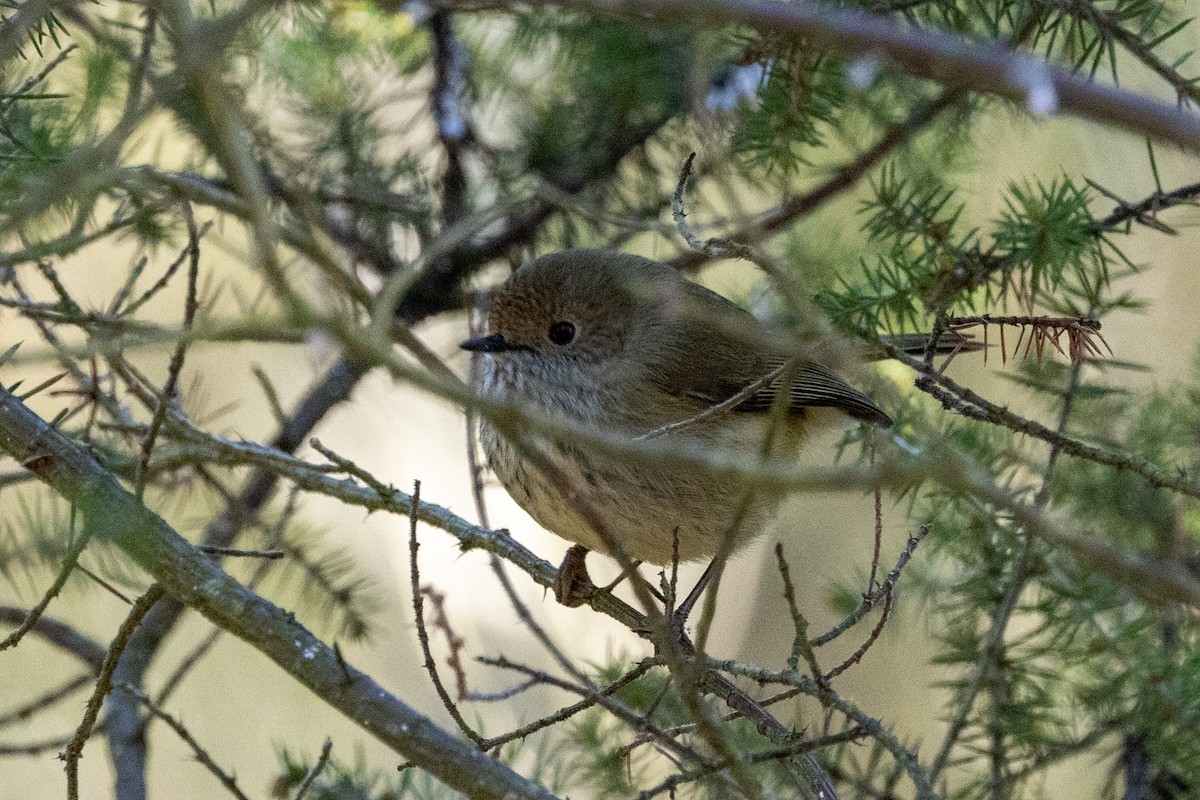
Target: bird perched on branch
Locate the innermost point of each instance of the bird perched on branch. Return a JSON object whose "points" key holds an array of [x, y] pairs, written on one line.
{"points": [[627, 347]]}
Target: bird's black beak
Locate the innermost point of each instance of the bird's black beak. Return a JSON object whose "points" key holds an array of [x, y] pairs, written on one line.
{"points": [[492, 343]]}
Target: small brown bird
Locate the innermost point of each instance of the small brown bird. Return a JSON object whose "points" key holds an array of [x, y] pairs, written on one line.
{"points": [[627, 345]]}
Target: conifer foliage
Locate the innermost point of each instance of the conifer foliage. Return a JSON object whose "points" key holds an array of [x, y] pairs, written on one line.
{"points": [[180, 178]]}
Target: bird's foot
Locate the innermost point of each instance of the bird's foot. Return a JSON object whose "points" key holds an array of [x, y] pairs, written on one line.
{"points": [[573, 585]]}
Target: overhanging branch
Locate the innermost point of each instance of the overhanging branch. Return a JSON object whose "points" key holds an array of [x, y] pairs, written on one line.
{"points": [[987, 66]]}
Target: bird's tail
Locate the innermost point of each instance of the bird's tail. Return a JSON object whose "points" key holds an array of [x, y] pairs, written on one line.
{"points": [[915, 343]]}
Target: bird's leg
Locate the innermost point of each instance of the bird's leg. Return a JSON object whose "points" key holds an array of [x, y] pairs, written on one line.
{"points": [[615, 582], [685, 608], [572, 585]]}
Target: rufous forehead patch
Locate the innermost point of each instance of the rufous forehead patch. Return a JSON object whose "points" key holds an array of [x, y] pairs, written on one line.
{"points": [[519, 316]]}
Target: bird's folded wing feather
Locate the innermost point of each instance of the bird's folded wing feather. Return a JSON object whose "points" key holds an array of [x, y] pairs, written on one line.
{"points": [[812, 385], [704, 360]]}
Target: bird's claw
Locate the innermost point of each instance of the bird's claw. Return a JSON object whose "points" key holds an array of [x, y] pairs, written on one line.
{"points": [[573, 585]]}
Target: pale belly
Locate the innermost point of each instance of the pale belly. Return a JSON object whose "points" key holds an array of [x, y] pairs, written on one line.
{"points": [[647, 507]]}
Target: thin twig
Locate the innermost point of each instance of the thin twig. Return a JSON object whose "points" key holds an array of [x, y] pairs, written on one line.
{"points": [[269, 392], [60, 635], [615, 707], [905, 758], [569, 711], [34, 749], [804, 746], [202, 755], [678, 213], [74, 749], [800, 642], [164, 280], [843, 178], [1109, 26], [862, 650], [962, 400], [441, 621], [167, 395], [186, 664], [349, 467], [14, 94], [1081, 332], [103, 584], [418, 602], [46, 700], [1142, 210], [724, 407], [315, 770], [64, 572], [270, 555], [878, 543], [883, 590]]}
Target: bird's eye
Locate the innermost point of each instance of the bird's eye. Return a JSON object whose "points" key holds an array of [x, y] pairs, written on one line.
{"points": [[561, 333]]}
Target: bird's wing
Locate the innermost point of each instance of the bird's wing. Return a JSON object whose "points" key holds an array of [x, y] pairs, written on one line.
{"points": [[708, 362], [815, 386]]}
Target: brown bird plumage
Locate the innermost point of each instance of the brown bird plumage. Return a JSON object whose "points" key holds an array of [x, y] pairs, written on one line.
{"points": [[627, 345]]}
